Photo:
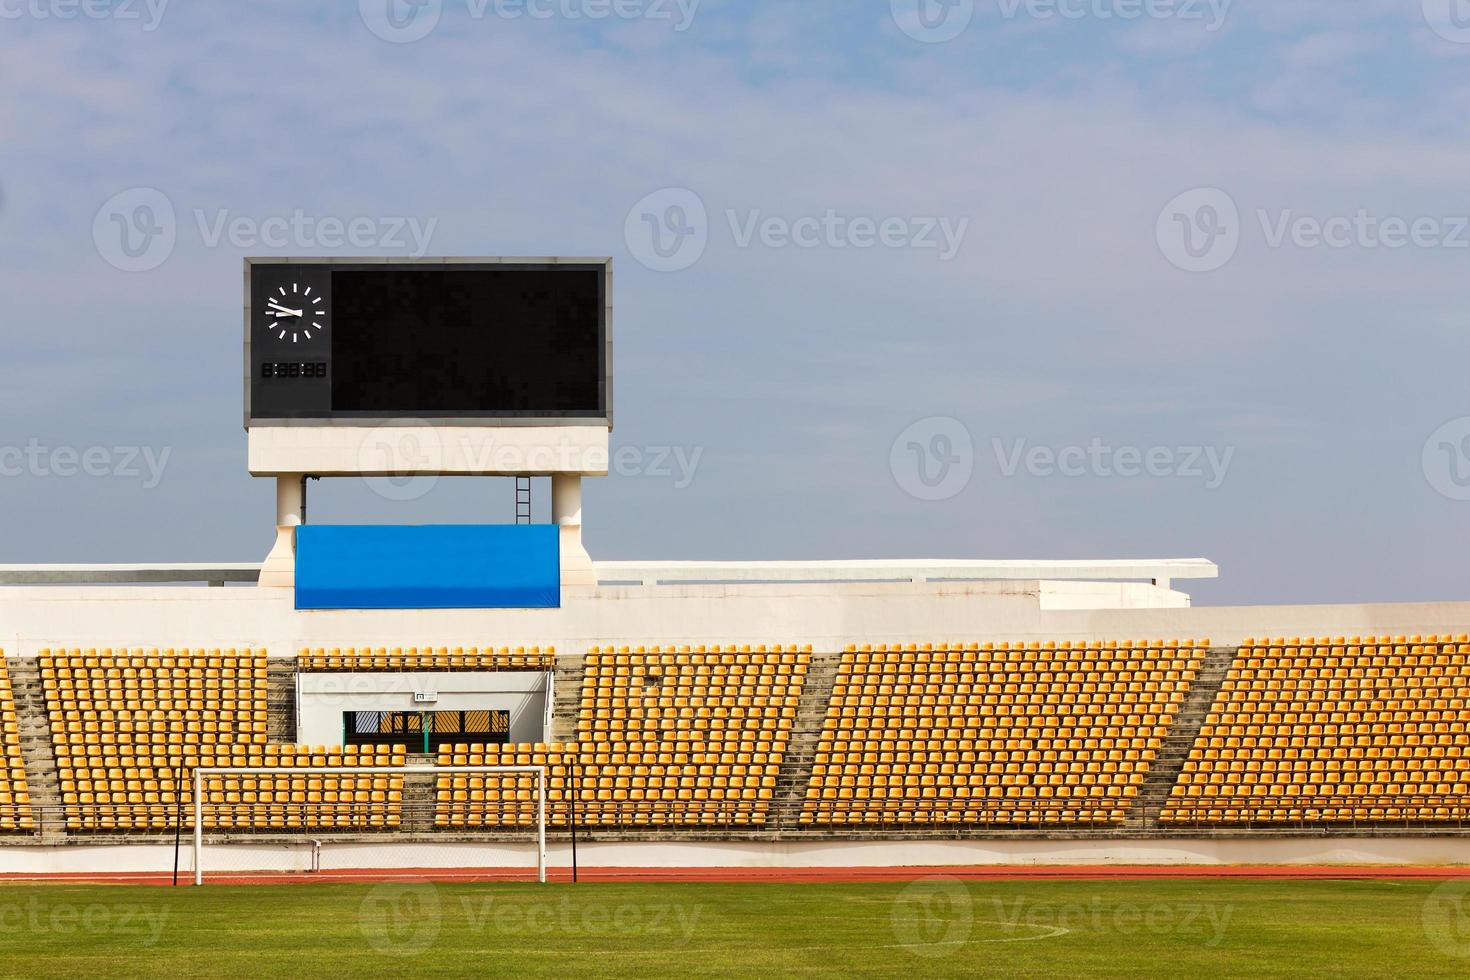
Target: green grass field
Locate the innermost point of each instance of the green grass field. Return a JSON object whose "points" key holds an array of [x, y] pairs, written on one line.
{"points": [[933, 927]]}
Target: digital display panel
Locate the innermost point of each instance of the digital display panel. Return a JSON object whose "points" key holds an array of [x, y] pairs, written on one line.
{"points": [[410, 340]]}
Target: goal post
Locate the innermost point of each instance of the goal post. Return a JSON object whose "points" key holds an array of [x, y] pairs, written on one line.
{"points": [[204, 774]]}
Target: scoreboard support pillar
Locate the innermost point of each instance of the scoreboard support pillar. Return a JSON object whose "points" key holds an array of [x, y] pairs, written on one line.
{"points": [[279, 568], [566, 513]]}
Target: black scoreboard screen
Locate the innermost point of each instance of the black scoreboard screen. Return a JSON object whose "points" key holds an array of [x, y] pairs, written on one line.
{"points": [[344, 340]]}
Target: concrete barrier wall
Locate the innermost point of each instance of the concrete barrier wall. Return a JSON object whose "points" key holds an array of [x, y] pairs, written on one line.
{"points": [[222, 858], [826, 616]]}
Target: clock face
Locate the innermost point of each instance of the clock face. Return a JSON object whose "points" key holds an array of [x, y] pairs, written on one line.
{"points": [[294, 311]]}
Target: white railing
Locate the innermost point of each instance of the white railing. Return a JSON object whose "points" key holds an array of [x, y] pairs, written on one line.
{"points": [[213, 573], [1159, 571]]}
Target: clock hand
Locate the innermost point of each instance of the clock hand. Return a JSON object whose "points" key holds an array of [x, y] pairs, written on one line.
{"points": [[281, 309]]}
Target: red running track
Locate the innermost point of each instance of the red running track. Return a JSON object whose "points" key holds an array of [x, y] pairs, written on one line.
{"points": [[782, 875]]}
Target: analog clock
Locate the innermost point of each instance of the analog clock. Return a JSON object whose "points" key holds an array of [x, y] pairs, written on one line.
{"points": [[294, 311]]}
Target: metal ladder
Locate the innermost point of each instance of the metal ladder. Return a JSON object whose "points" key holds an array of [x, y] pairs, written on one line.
{"points": [[523, 500]]}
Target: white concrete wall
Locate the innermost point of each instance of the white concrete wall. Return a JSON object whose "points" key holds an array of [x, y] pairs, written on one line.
{"points": [[324, 697], [1304, 850], [826, 616]]}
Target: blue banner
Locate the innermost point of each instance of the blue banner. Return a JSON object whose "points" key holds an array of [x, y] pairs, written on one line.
{"points": [[437, 566]]}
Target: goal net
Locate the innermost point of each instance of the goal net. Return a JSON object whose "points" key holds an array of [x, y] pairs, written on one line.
{"points": [[354, 818]]}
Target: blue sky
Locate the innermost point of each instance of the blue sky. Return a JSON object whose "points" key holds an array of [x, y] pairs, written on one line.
{"points": [[1314, 152]]}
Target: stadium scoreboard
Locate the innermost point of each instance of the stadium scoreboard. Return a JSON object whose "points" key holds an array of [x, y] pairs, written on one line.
{"points": [[432, 341], [338, 350]]}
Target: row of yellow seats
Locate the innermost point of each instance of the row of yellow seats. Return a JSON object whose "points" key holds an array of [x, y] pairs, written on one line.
{"points": [[891, 685], [702, 649], [1423, 760], [1386, 640], [1391, 710], [711, 667], [1028, 646], [1033, 818], [1346, 815], [641, 694], [428, 658], [15, 809]]}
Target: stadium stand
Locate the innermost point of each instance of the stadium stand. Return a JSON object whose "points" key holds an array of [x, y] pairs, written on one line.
{"points": [[15, 801], [687, 693], [427, 659], [681, 735], [1044, 735], [1033, 734], [129, 727], [1347, 729]]}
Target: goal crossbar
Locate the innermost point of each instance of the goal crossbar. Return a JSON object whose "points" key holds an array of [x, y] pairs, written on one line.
{"points": [[204, 772]]}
